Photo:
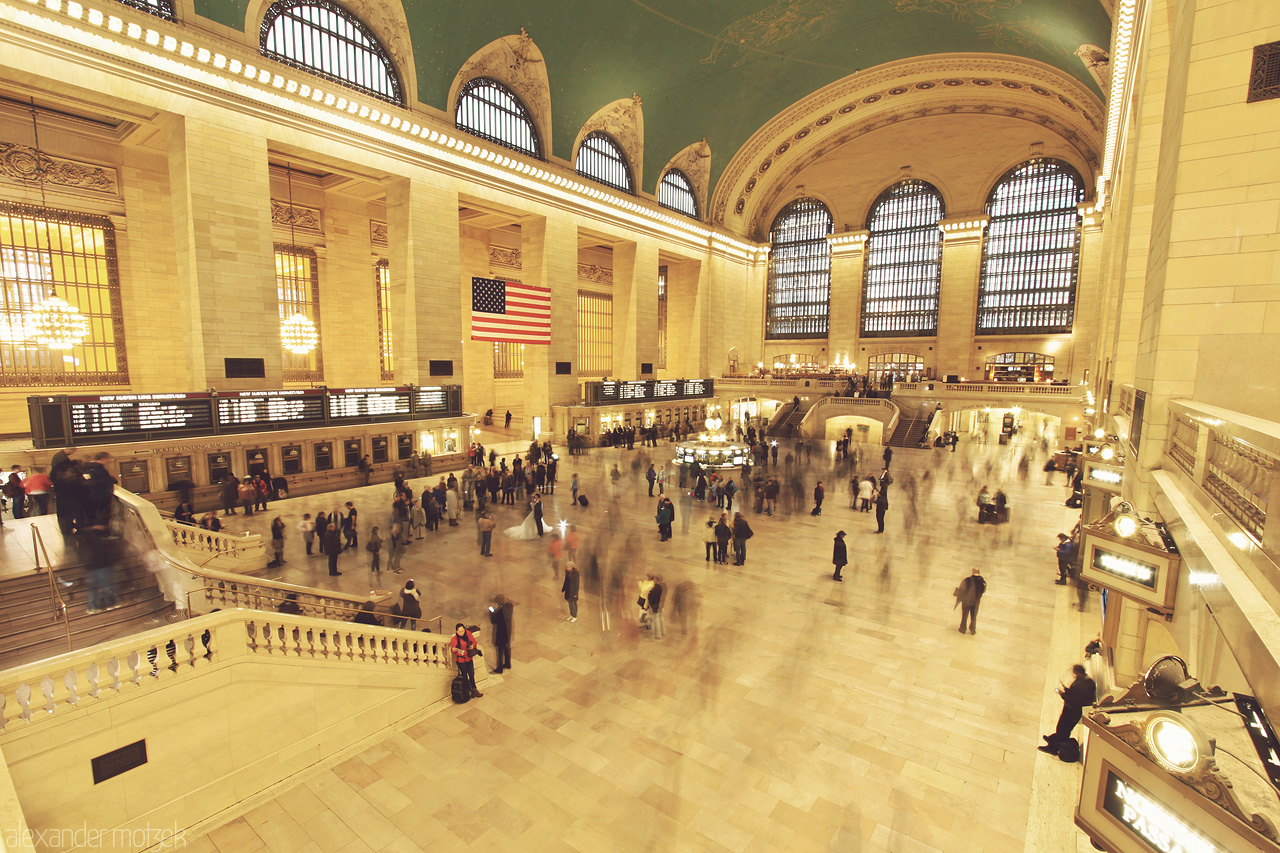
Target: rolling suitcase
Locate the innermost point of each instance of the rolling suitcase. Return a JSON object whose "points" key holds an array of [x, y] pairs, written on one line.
{"points": [[461, 690]]}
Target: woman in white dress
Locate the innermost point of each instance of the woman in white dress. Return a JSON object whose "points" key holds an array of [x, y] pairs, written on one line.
{"points": [[525, 531]]}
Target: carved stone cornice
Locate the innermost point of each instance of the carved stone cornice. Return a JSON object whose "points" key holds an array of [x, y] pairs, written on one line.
{"points": [[894, 92], [593, 272], [501, 256], [284, 216], [26, 165]]}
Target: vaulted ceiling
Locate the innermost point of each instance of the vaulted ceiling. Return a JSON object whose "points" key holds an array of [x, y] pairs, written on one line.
{"points": [[719, 69]]}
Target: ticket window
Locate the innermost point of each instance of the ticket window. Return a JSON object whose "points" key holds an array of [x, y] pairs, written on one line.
{"points": [[404, 446], [291, 458], [219, 467], [257, 459], [351, 453], [324, 455], [381, 451], [177, 472], [451, 441], [135, 476]]}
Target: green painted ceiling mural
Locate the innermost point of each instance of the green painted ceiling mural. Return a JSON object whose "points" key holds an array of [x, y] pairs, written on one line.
{"points": [[721, 68]]}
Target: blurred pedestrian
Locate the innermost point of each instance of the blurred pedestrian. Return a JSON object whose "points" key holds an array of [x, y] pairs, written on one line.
{"points": [[968, 596], [570, 589], [839, 556]]}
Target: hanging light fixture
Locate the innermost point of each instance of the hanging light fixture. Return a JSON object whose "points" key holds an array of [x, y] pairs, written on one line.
{"points": [[298, 333], [54, 323]]}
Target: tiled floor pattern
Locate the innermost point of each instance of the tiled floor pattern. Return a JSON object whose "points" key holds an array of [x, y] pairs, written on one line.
{"points": [[789, 713]]}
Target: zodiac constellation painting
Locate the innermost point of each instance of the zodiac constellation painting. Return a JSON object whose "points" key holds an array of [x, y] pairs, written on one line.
{"points": [[778, 22], [959, 10]]}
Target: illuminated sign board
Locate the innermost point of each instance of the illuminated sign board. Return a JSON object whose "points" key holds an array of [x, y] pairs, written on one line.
{"points": [[1141, 571], [1150, 820], [655, 390], [430, 400], [1102, 476], [1263, 736], [375, 403], [122, 415], [1125, 567], [240, 411]]}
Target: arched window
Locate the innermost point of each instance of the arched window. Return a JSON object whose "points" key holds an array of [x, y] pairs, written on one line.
{"points": [[491, 111], [903, 270], [1032, 251], [901, 364], [1020, 367], [327, 40], [676, 193], [601, 159], [159, 8], [798, 297]]}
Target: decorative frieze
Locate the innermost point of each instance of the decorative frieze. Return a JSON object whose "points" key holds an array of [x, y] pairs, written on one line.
{"points": [[27, 165], [378, 233], [501, 256], [284, 215], [592, 272]]}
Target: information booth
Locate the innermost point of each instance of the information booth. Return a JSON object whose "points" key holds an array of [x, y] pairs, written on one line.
{"points": [[644, 403]]}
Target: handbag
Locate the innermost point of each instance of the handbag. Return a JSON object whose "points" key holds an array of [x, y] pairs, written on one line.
{"points": [[641, 603]]}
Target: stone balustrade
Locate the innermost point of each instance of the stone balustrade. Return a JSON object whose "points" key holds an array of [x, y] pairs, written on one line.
{"points": [[220, 550]]}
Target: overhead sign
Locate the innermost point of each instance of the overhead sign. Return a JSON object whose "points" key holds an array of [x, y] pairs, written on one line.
{"points": [[125, 415], [1150, 820], [655, 390], [1263, 736], [1100, 475], [1142, 572], [376, 403], [242, 411]]}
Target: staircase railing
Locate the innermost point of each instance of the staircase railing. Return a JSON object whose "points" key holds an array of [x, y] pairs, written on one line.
{"points": [[154, 658], [223, 550], [55, 595]]}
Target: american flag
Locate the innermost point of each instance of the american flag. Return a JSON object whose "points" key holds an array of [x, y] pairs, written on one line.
{"points": [[510, 311]]}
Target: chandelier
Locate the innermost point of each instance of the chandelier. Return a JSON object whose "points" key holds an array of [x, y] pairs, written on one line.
{"points": [[54, 323], [298, 334]]}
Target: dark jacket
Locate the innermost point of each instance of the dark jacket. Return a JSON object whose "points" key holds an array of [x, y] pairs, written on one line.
{"points": [[655, 598], [502, 619], [332, 541], [1080, 693], [722, 531], [840, 554], [570, 586], [971, 590], [741, 530]]}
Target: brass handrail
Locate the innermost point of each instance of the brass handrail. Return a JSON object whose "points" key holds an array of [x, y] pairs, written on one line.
{"points": [[55, 597]]}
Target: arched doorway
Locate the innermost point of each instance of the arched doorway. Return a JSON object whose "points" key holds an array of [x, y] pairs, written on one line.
{"points": [[903, 365], [1020, 367], [733, 361]]}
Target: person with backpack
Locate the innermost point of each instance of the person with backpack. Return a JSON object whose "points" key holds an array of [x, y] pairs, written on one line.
{"points": [[1075, 697], [464, 647]]}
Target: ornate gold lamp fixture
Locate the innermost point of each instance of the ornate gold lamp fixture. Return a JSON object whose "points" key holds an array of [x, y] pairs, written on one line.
{"points": [[54, 323]]}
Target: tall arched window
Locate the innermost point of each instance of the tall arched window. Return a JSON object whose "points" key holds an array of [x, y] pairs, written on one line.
{"points": [[601, 159], [159, 8], [491, 111], [323, 38], [675, 192], [903, 270], [798, 297], [1032, 251]]}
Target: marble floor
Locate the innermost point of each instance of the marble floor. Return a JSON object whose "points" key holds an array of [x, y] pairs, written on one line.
{"points": [[784, 712]]}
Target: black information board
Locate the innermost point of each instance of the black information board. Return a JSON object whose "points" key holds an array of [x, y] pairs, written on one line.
{"points": [[133, 414], [655, 390], [243, 411], [371, 403], [112, 418]]}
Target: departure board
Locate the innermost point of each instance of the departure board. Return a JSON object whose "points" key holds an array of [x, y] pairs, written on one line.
{"points": [[128, 414], [655, 390], [368, 402], [257, 409], [430, 400]]}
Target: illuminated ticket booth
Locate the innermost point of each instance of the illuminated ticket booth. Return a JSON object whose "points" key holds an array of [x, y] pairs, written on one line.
{"points": [[1152, 778], [1102, 476], [1131, 556]]}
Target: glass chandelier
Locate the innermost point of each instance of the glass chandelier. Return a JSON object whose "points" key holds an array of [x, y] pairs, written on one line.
{"points": [[54, 323], [297, 332]]}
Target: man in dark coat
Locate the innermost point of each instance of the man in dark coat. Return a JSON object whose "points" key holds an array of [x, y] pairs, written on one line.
{"points": [[741, 533], [502, 617], [969, 596], [1081, 693], [332, 547], [839, 556], [888, 456]]}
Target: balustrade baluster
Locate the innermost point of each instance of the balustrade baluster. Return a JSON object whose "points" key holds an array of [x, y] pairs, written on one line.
{"points": [[153, 655], [23, 695], [171, 649], [252, 628], [311, 641], [190, 645], [134, 662], [4, 720], [351, 645], [113, 670], [69, 680], [91, 675], [46, 689], [206, 640], [296, 633]]}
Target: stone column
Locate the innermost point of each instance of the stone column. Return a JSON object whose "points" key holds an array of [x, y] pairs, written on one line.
{"points": [[348, 297], [635, 309], [958, 297], [549, 258], [1088, 311], [686, 320], [478, 385], [848, 259], [424, 242], [227, 304]]}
